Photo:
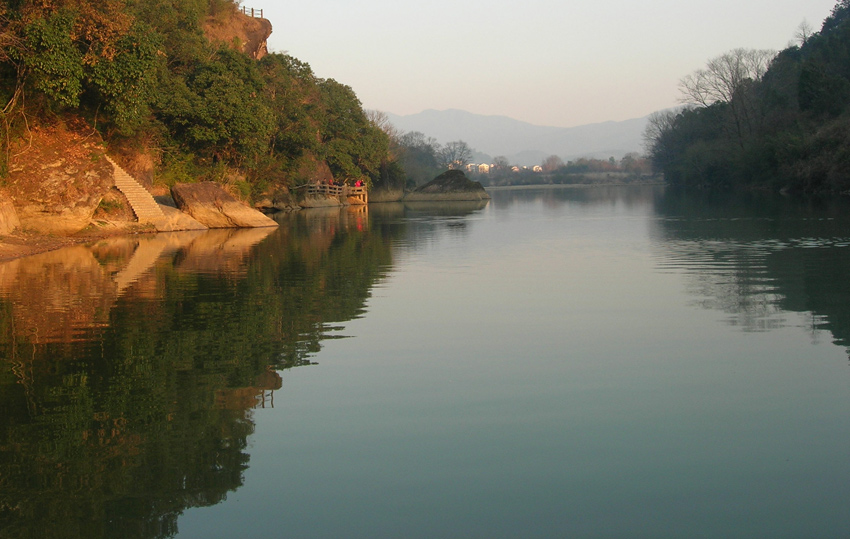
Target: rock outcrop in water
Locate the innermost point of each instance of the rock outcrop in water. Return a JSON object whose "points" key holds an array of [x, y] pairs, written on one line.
{"points": [[450, 185], [214, 207]]}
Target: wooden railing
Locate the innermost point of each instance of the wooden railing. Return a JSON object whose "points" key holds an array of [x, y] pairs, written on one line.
{"points": [[256, 13], [358, 192], [338, 191], [324, 189]]}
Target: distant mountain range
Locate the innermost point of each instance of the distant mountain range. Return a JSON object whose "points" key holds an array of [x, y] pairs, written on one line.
{"points": [[524, 143]]}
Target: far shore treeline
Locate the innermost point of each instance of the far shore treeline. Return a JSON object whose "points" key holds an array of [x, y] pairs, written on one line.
{"points": [[756, 119]]}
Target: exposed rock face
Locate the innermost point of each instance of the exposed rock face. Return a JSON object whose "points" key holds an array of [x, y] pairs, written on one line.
{"points": [[280, 200], [450, 185], [8, 216], [58, 177], [319, 201], [177, 220], [214, 207], [239, 31]]}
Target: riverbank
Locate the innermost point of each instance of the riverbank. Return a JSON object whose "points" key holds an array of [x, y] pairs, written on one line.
{"points": [[21, 244]]}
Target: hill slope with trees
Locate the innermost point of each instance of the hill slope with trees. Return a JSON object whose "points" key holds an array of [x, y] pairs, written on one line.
{"points": [[164, 83], [755, 119]]}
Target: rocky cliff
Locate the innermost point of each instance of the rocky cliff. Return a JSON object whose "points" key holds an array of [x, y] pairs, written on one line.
{"points": [[58, 177], [240, 31], [59, 181]]}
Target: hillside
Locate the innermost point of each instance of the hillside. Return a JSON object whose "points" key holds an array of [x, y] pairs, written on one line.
{"points": [[761, 120], [174, 91], [524, 143]]}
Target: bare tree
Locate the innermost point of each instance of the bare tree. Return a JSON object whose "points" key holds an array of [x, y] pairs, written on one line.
{"points": [[804, 32], [455, 155], [731, 79], [725, 76], [655, 135], [500, 162], [380, 120], [657, 124], [552, 163]]}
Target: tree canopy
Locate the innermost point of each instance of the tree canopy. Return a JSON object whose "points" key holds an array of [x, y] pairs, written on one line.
{"points": [[143, 72], [763, 120]]}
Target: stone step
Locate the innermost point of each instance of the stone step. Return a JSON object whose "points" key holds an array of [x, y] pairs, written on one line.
{"points": [[141, 201]]}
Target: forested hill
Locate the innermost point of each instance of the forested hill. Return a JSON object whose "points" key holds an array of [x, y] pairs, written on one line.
{"points": [[166, 79], [759, 120]]}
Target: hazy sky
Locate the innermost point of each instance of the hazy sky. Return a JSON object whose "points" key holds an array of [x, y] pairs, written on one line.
{"points": [[548, 62]]}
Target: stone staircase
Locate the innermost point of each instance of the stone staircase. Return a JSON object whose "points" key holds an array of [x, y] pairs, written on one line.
{"points": [[142, 202]]}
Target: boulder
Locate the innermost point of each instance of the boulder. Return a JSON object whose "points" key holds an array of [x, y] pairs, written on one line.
{"points": [[319, 201], [279, 200], [8, 216], [450, 185], [209, 204], [177, 220]]}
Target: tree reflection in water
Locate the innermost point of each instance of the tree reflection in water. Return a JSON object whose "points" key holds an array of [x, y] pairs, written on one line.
{"points": [[131, 367], [759, 257]]}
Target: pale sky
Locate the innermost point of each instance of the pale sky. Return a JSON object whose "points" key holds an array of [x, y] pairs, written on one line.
{"points": [[548, 62]]}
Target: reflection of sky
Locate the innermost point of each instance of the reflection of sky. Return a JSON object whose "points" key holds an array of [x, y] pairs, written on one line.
{"points": [[538, 376], [542, 61]]}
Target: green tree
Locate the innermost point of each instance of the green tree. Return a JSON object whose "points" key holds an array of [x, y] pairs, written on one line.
{"points": [[218, 109], [125, 84], [292, 95], [418, 156], [352, 146], [52, 62]]}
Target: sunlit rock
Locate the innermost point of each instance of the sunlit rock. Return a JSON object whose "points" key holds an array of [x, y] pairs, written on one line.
{"points": [[214, 207], [8, 216]]}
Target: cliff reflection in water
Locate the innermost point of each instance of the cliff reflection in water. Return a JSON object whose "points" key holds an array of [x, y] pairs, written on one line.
{"points": [[761, 257], [130, 368]]}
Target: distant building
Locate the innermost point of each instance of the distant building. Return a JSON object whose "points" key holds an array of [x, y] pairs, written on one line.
{"points": [[484, 168]]}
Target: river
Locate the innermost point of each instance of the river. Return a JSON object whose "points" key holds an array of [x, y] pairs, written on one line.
{"points": [[557, 362]]}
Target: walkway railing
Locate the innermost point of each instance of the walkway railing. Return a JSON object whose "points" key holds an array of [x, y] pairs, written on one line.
{"points": [[357, 192], [256, 13], [339, 191], [324, 189]]}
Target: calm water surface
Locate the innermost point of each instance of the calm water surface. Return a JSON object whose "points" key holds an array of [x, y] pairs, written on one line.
{"points": [[606, 362]]}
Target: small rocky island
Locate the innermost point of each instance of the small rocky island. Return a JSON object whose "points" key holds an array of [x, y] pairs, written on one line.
{"points": [[450, 185]]}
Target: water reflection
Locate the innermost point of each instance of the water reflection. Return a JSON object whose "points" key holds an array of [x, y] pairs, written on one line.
{"points": [[131, 367], [557, 196], [760, 257], [65, 295]]}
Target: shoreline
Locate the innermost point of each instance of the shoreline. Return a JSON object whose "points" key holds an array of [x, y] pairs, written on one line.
{"points": [[570, 185], [23, 244]]}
